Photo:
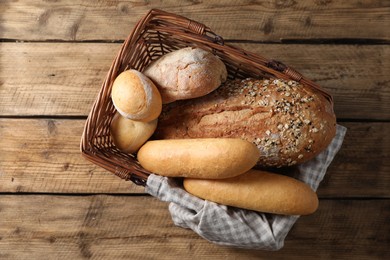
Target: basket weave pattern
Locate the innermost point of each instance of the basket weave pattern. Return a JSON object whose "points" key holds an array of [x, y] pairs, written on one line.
{"points": [[156, 34]]}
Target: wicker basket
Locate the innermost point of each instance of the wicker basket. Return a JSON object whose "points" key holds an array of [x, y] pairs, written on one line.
{"points": [[157, 33]]}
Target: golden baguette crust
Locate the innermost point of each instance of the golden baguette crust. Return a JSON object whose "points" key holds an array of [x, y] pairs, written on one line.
{"points": [[213, 158], [288, 122], [257, 190]]}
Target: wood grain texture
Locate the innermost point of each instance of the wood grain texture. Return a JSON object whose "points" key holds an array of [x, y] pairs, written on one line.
{"points": [[52, 202], [128, 227], [51, 78], [64, 78], [245, 20], [363, 163], [42, 155]]}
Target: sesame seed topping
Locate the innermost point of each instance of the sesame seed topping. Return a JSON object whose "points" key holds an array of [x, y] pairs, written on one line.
{"points": [[280, 99]]}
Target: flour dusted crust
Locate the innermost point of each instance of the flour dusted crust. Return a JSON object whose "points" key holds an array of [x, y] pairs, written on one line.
{"points": [[186, 73], [289, 122]]}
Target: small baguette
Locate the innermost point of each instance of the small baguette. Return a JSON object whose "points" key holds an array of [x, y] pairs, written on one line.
{"points": [[206, 158], [258, 190]]}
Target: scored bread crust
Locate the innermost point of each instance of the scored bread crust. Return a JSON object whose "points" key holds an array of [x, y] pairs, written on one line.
{"points": [[186, 73], [288, 122]]}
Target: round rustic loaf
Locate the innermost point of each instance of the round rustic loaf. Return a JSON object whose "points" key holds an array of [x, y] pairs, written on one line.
{"points": [[186, 73], [289, 123]]}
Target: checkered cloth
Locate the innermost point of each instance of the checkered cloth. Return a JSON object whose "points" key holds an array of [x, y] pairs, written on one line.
{"points": [[232, 226]]}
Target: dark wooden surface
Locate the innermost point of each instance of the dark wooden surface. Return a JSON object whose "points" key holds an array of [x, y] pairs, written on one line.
{"points": [[53, 58]]}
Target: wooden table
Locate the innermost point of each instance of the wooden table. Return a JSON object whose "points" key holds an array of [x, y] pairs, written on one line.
{"points": [[53, 58]]}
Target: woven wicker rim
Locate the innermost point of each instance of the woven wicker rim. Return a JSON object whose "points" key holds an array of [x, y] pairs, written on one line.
{"points": [[157, 33]]}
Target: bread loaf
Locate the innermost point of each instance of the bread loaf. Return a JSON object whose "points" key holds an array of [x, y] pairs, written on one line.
{"points": [[206, 158], [135, 96], [257, 190], [129, 135], [186, 73], [288, 122]]}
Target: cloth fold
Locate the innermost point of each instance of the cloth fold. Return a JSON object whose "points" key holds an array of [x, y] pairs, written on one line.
{"points": [[237, 227]]}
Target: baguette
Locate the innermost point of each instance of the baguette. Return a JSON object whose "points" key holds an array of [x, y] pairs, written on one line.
{"points": [[208, 158], [257, 190]]}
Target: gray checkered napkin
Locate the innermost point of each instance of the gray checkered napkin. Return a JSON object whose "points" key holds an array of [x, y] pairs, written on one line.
{"points": [[236, 227]]}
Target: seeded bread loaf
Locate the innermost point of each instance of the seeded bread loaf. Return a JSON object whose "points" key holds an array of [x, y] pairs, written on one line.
{"points": [[288, 122]]}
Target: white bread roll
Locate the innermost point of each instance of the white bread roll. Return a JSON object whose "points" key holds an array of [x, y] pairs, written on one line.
{"points": [[129, 135], [136, 97], [186, 73], [209, 158], [258, 190]]}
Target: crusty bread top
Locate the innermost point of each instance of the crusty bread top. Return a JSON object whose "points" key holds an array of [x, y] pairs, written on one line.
{"points": [[289, 123], [186, 73], [135, 96]]}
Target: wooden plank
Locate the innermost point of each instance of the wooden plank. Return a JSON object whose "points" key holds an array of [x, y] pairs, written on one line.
{"points": [[52, 78], [64, 78], [363, 163], [128, 227], [42, 155], [244, 20]]}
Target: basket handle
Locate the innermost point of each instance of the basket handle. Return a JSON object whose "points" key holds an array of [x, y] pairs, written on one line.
{"points": [[195, 26], [192, 25], [202, 29]]}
